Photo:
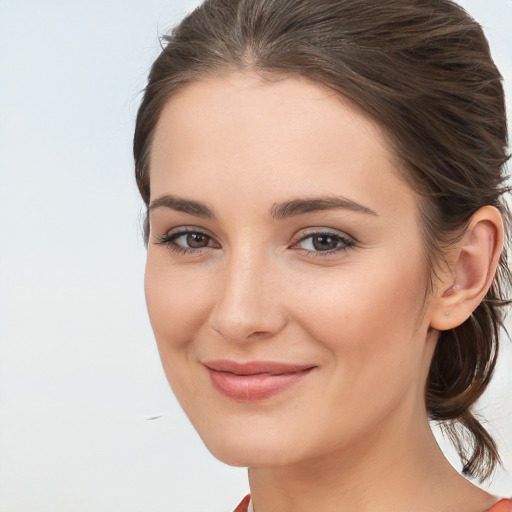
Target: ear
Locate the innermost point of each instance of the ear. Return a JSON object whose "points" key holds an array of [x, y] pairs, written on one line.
{"points": [[471, 267]]}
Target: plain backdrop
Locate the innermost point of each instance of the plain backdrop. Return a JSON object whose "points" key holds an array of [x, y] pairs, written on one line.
{"points": [[80, 377]]}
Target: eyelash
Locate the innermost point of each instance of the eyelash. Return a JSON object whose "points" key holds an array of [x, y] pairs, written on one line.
{"points": [[168, 239], [345, 243]]}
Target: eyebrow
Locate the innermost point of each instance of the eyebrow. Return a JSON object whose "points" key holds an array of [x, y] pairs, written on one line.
{"points": [[180, 204], [313, 204], [278, 211]]}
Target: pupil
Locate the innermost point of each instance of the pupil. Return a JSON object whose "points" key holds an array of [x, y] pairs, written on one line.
{"points": [[324, 242], [196, 240]]}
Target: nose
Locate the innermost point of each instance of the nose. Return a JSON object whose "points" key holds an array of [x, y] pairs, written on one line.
{"points": [[248, 305]]}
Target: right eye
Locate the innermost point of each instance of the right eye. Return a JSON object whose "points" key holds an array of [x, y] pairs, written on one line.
{"points": [[186, 241]]}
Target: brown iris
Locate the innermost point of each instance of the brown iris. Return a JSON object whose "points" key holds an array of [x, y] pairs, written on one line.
{"points": [[197, 240], [324, 242]]}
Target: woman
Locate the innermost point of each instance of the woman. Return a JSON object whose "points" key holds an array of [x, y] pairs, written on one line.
{"points": [[325, 237]]}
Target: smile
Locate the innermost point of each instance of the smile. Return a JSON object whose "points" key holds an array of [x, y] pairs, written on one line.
{"points": [[255, 380]]}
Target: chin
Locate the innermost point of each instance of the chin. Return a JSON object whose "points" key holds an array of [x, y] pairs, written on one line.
{"points": [[242, 451]]}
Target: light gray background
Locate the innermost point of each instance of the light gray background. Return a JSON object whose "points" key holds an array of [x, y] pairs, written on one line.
{"points": [[79, 371]]}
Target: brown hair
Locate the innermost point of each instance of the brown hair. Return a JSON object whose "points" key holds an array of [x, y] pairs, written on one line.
{"points": [[422, 69]]}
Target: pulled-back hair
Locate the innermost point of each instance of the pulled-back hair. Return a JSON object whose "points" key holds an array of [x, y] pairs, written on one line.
{"points": [[423, 71]]}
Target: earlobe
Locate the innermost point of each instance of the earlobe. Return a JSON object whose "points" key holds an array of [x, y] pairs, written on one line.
{"points": [[472, 264]]}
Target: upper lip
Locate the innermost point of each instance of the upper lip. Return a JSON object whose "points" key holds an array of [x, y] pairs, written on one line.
{"points": [[255, 367]]}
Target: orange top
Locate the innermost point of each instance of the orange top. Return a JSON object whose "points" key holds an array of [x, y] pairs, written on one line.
{"points": [[242, 506], [504, 505]]}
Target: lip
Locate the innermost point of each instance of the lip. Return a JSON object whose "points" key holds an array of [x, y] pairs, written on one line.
{"points": [[254, 380]]}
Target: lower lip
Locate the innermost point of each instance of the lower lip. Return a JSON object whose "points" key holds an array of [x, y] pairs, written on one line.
{"points": [[254, 387]]}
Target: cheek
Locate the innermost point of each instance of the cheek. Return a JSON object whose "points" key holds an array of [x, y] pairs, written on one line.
{"points": [[177, 300], [367, 316], [370, 327]]}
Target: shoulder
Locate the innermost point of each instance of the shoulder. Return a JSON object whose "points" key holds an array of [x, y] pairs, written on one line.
{"points": [[504, 505]]}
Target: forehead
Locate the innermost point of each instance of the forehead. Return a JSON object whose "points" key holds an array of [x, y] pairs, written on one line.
{"points": [[270, 139]]}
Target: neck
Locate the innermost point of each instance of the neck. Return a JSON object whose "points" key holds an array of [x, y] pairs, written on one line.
{"points": [[399, 467]]}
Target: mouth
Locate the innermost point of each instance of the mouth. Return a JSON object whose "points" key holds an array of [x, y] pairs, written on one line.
{"points": [[254, 380]]}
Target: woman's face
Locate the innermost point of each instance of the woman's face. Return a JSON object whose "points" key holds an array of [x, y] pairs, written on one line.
{"points": [[285, 277]]}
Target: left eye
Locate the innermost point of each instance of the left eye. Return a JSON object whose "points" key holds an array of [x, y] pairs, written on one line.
{"points": [[192, 240], [324, 242]]}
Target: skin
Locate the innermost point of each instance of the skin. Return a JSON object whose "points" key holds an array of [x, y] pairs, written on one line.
{"points": [[353, 434]]}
